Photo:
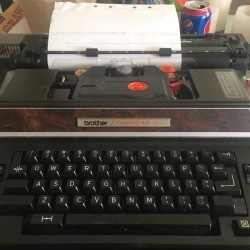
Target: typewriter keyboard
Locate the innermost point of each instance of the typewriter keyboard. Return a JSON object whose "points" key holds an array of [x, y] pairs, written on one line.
{"points": [[109, 189]]}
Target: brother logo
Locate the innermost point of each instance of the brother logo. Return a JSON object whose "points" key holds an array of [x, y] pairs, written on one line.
{"points": [[96, 123]]}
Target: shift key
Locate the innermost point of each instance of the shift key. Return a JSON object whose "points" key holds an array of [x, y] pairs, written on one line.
{"points": [[16, 204]]}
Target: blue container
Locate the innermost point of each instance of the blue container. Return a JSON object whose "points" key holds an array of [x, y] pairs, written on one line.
{"points": [[196, 18]]}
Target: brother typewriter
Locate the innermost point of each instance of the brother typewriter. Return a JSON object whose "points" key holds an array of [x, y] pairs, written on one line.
{"points": [[125, 157]]}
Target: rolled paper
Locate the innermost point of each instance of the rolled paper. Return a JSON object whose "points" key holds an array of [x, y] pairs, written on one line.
{"points": [[224, 7], [241, 21]]}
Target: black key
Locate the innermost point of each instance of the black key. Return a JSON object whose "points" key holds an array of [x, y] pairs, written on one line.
{"points": [[70, 171], [149, 204], [230, 186], [218, 172], [140, 186], [37, 171], [159, 157], [89, 186], [136, 171], [157, 186], [95, 157], [39, 187], [229, 206], [79, 157], [223, 205], [242, 227], [167, 203], [240, 207], [119, 171], [168, 171], [246, 168], [201, 171], [72, 187], [132, 203], [16, 160], [32, 157], [97, 203], [106, 186], [64, 157], [2, 168], [103, 171], [152, 171], [247, 177], [226, 157], [17, 204], [61, 204], [140, 224], [56, 187], [175, 156], [79, 204], [127, 157], [18, 172], [202, 204], [48, 157], [112, 157], [114, 203], [123, 186], [86, 171], [185, 171], [207, 157], [207, 186], [184, 204], [191, 187], [44, 204], [46, 223], [53, 171], [192, 157], [174, 186], [16, 187], [143, 157]]}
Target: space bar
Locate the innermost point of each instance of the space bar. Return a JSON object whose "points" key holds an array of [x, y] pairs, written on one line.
{"points": [[139, 224]]}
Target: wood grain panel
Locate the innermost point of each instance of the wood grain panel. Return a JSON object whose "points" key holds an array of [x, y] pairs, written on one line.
{"points": [[182, 120]]}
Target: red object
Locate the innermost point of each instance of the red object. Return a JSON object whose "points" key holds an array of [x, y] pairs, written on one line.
{"points": [[167, 69], [248, 83], [138, 86], [171, 76], [175, 86], [181, 2]]}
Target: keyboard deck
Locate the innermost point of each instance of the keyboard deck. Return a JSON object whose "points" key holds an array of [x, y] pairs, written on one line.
{"points": [[124, 193]]}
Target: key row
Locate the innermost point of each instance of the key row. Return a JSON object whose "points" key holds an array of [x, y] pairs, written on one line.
{"points": [[218, 205], [121, 186], [128, 156], [119, 171], [119, 224]]}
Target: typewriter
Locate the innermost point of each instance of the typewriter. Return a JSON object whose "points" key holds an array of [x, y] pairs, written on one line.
{"points": [[127, 157]]}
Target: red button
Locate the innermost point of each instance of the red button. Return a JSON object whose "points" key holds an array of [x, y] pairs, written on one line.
{"points": [[138, 86], [167, 69], [248, 83], [175, 86]]}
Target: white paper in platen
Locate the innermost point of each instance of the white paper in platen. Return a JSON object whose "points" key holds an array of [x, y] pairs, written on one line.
{"points": [[76, 27]]}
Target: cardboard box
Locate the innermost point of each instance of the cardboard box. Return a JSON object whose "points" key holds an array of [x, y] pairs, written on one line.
{"points": [[31, 16], [13, 17]]}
